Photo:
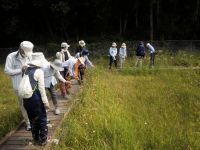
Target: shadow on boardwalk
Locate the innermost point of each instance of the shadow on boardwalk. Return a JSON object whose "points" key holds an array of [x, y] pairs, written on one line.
{"points": [[20, 139]]}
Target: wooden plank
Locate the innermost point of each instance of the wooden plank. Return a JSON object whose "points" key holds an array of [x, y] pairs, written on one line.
{"points": [[18, 147]]}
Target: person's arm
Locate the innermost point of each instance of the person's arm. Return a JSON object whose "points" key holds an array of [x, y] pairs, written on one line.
{"points": [[125, 52], [110, 52], [39, 76], [9, 69], [59, 76], [115, 52]]}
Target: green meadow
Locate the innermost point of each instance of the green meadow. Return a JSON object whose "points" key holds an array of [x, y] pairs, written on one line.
{"points": [[132, 108], [135, 109], [10, 115]]}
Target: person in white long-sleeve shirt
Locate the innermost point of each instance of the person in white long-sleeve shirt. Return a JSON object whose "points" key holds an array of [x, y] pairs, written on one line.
{"points": [[64, 87], [72, 65], [122, 55], [152, 54], [36, 104], [113, 55], [50, 71], [15, 62]]}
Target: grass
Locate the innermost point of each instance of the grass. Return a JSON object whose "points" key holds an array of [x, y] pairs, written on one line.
{"points": [[10, 115], [135, 109], [127, 109]]}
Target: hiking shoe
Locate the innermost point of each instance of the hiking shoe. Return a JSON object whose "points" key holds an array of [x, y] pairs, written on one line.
{"points": [[43, 143], [66, 97], [57, 111], [28, 127]]}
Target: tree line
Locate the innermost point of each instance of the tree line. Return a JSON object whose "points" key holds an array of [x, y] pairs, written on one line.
{"points": [[53, 20]]}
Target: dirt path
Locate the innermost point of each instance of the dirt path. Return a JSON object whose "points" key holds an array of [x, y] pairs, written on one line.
{"points": [[20, 139]]}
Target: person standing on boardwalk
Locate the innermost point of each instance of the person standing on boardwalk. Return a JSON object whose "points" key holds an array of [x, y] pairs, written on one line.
{"points": [[152, 55], [64, 87], [35, 105], [122, 55], [82, 51], [140, 54], [50, 71], [15, 63], [113, 55]]}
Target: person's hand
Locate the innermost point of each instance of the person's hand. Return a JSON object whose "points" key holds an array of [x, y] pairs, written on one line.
{"points": [[68, 82], [24, 68], [46, 105]]}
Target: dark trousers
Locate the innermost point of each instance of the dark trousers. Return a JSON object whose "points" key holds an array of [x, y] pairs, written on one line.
{"points": [[111, 61], [37, 116], [152, 59]]}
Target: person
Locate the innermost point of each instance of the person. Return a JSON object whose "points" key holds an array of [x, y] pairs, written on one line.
{"points": [[15, 62], [113, 54], [72, 65], [140, 54], [37, 104], [50, 70], [64, 87], [122, 55], [82, 51], [152, 54]]}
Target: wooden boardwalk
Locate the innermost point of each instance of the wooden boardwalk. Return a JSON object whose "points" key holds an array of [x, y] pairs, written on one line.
{"points": [[20, 139]]}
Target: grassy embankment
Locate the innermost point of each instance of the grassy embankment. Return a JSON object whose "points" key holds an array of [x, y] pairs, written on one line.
{"points": [[10, 114], [135, 109]]}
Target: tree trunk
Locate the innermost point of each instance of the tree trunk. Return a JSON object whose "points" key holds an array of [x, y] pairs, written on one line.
{"points": [[158, 16], [136, 17], [120, 24], [151, 21], [125, 23], [196, 16]]}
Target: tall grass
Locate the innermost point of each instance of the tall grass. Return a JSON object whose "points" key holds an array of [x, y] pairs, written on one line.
{"points": [[135, 109], [10, 115]]}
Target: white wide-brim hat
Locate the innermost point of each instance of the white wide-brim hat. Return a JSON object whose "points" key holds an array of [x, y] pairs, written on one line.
{"points": [[57, 65], [27, 47], [65, 45], [36, 63], [82, 60], [82, 43], [123, 45], [40, 56], [114, 44]]}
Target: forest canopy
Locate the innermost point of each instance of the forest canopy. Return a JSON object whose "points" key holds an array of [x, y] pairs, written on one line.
{"points": [[56, 20]]}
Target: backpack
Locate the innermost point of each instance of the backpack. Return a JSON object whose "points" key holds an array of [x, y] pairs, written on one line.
{"points": [[25, 89]]}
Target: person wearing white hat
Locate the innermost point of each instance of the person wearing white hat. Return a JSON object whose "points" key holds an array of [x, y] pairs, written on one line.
{"points": [[82, 51], [37, 104], [15, 63], [122, 54], [64, 87], [50, 71], [152, 54], [72, 65], [113, 54]]}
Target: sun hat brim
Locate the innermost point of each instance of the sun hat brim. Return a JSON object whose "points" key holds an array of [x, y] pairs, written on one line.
{"points": [[56, 67]]}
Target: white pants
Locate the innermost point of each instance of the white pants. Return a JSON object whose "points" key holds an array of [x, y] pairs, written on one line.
{"points": [[23, 110], [122, 60]]}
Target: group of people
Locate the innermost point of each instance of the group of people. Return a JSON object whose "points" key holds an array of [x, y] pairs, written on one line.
{"points": [[140, 54], [42, 75]]}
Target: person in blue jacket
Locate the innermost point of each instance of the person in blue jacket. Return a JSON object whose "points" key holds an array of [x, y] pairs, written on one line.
{"points": [[140, 54]]}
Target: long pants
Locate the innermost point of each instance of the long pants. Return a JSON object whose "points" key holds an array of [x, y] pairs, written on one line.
{"points": [[64, 87], [138, 62], [54, 98], [122, 60], [152, 59], [23, 110], [111, 61], [37, 116]]}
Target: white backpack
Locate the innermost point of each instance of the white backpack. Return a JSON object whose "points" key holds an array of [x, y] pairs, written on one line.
{"points": [[25, 89]]}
